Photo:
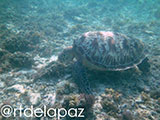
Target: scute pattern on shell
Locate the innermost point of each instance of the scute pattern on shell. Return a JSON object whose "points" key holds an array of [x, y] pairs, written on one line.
{"points": [[112, 51]]}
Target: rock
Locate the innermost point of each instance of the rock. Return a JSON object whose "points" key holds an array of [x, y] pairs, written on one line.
{"points": [[3, 53], [116, 96], [158, 101], [79, 101], [109, 91], [2, 84], [111, 118], [34, 37], [16, 60], [151, 117], [17, 43], [153, 112], [127, 115], [65, 87], [17, 88], [50, 99], [97, 107], [53, 70], [124, 106], [35, 98], [145, 97], [109, 106], [20, 60], [142, 106], [155, 94], [139, 100]]}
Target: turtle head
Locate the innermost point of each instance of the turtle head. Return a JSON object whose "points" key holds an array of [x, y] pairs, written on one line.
{"points": [[67, 55]]}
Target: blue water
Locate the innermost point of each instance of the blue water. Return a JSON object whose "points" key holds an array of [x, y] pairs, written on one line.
{"points": [[74, 17]]}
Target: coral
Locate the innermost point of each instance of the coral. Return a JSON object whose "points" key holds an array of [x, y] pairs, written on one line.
{"points": [[80, 101], [109, 106], [114, 94], [22, 42], [65, 88], [5, 33], [155, 94], [34, 37], [145, 97], [3, 53], [110, 101], [15, 44], [71, 101], [20, 60], [16, 60], [127, 115], [4, 64]]}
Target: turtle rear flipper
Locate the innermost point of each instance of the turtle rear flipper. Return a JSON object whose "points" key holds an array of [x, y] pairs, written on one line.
{"points": [[144, 66]]}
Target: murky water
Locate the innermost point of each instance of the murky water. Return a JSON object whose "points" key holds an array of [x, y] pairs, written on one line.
{"points": [[34, 32]]}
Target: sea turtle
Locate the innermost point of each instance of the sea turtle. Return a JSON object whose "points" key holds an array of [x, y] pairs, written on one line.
{"points": [[103, 51]]}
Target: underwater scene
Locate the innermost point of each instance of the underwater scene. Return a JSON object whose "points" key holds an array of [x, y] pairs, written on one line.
{"points": [[79, 60]]}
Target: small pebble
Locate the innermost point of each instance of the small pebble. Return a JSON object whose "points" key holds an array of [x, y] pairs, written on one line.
{"points": [[142, 106], [2, 84], [124, 106]]}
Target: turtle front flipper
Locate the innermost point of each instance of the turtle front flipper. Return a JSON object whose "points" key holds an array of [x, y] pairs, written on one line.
{"points": [[143, 68], [80, 77]]}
